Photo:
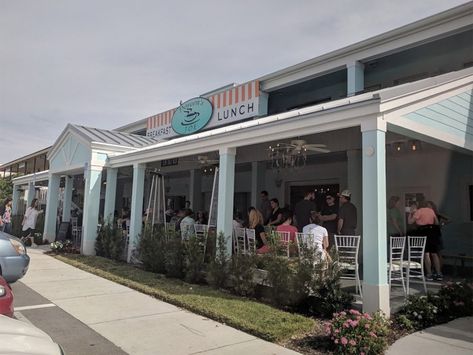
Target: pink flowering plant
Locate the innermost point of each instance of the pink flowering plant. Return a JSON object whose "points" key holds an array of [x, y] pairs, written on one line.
{"points": [[353, 332], [455, 299]]}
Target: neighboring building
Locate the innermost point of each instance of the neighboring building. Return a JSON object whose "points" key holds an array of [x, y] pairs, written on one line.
{"points": [[391, 115]]}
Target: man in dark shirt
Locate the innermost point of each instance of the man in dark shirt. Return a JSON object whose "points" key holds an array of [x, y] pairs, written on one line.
{"points": [[303, 210], [346, 215], [329, 214], [265, 206]]}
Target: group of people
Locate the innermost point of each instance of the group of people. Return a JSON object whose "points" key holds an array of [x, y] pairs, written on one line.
{"points": [[423, 220], [28, 223], [306, 218]]}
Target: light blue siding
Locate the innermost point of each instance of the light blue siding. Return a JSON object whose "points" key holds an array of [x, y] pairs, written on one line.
{"points": [[453, 115], [72, 154]]}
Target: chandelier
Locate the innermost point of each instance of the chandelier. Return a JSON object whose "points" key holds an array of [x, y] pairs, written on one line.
{"points": [[293, 154], [283, 155]]}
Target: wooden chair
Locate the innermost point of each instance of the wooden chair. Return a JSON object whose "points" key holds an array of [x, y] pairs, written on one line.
{"points": [[396, 261], [304, 241], [414, 266], [250, 241], [76, 231], [285, 239], [240, 240], [201, 232], [347, 247]]}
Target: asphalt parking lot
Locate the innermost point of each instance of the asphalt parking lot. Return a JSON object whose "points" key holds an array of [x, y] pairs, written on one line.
{"points": [[75, 337]]}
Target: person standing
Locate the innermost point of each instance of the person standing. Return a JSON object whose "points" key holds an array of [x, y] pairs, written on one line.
{"points": [[394, 218], [328, 216], [346, 215], [303, 210], [428, 225], [29, 220], [5, 216], [276, 215], [265, 206]]}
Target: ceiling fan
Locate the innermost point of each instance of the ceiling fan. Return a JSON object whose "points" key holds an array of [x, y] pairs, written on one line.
{"points": [[299, 146], [203, 160]]}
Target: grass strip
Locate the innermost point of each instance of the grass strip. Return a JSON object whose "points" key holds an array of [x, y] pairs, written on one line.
{"points": [[247, 315]]}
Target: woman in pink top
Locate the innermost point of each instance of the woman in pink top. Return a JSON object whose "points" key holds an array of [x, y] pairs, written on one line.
{"points": [[428, 225], [423, 216], [287, 226]]}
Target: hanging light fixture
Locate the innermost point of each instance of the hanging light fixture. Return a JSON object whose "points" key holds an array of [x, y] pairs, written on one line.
{"points": [[284, 156]]}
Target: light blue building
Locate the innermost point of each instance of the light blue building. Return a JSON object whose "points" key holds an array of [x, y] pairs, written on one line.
{"points": [[391, 115]]}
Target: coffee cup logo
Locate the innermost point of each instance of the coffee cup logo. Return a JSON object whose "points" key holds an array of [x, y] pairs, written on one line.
{"points": [[191, 116]]}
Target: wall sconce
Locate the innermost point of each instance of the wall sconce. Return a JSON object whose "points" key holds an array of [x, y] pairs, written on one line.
{"points": [[398, 147], [414, 145], [278, 182]]}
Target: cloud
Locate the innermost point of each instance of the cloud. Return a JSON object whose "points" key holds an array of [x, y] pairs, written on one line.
{"points": [[108, 63]]}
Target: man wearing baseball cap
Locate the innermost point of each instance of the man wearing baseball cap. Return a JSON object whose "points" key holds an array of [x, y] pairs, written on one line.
{"points": [[346, 215]]}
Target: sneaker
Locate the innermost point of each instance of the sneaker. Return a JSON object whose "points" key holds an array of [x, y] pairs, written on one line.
{"points": [[438, 277], [429, 277]]}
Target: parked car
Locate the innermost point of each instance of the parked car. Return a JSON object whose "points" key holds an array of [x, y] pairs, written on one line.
{"points": [[14, 260], [6, 298], [21, 338]]}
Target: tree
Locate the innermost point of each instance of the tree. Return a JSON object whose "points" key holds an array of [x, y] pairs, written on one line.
{"points": [[6, 189]]}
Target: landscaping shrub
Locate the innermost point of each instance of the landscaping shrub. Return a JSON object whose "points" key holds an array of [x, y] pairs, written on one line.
{"points": [[109, 243], [193, 259], [352, 332], [327, 295], [418, 312], [174, 256], [151, 249], [279, 277], [455, 299], [219, 267], [306, 272], [242, 273], [63, 247]]}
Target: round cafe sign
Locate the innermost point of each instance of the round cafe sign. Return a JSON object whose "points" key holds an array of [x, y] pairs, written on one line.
{"points": [[191, 116]]}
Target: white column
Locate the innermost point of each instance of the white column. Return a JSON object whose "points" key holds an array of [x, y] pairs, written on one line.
{"points": [[355, 78], [136, 217], [195, 189], [110, 194], [67, 204], [51, 208], [30, 193], [15, 199], [93, 181], [375, 283], [226, 188]]}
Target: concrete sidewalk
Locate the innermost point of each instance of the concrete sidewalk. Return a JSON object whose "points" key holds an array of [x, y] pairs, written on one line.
{"points": [[453, 338], [137, 323]]}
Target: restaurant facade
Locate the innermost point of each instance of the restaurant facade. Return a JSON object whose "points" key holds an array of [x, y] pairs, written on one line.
{"points": [[388, 116]]}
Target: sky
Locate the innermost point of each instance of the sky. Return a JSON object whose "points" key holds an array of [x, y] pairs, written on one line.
{"points": [[107, 63]]}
